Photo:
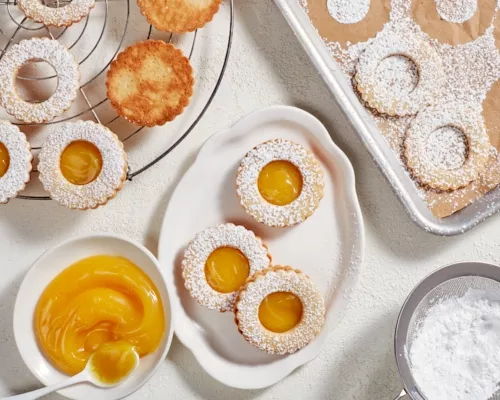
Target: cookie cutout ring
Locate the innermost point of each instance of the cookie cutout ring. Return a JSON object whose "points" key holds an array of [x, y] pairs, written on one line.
{"points": [[200, 248], [272, 280], [58, 17], [382, 99], [67, 70], [457, 115]]}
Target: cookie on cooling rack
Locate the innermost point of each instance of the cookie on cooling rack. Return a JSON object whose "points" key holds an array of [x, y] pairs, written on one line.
{"points": [[150, 83], [178, 15], [67, 70], [82, 165], [65, 15], [15, 161]]}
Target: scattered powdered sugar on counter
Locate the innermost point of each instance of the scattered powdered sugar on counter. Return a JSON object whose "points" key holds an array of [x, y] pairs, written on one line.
{"points": [[455, 351], [348, 11], [457, 11]]}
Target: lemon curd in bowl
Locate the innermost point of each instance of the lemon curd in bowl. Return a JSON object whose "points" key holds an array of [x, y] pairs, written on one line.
{"points": [[98, 301]]}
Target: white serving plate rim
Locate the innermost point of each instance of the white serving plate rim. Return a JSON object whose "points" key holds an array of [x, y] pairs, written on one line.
{"points": [[46, 254], [272, 113]]}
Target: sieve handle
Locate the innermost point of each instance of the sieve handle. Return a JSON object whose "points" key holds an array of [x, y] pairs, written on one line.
{"points": [[401, 395]]}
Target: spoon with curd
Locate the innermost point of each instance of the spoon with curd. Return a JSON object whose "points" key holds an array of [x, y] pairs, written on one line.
{"points": [[107, 367]]}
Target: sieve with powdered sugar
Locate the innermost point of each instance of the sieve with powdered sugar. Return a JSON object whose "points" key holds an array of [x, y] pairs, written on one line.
{"points": [[447, 339]]}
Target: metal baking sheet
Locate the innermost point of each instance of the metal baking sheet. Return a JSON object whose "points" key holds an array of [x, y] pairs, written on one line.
{"points": [[374, 141]]}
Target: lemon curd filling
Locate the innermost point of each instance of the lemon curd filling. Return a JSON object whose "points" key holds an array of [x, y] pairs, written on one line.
{"points": [[280, 311], [280, 183], [226, 269], [100, 300], [4, 159], [113, 361], [81, 162]]}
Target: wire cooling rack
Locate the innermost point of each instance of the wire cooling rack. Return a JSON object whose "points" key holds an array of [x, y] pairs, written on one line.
{"points": [[22, 27]]}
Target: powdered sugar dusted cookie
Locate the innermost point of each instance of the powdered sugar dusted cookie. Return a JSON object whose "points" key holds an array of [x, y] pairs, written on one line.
{"points": [[467, 146], [60, 16], [15, 161], [59, 58]]}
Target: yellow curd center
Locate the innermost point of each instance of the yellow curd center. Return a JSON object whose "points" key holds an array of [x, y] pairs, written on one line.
{"points": [[280, 182], [4, 159], [81, 162], [226, 269], [281, 311], [96, 301], [114, 361]]}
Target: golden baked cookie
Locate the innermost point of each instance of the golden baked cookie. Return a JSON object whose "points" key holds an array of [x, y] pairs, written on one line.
{"points": [[82, 165], [395, 100], [218, 261], [15, 161], [279, 310], [67, 70], [150, 83], [65, 15], [179, 15], [449, 169], [280, 183]]}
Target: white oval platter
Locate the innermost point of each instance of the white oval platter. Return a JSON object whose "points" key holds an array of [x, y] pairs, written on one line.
{"points": [[328, 246]]}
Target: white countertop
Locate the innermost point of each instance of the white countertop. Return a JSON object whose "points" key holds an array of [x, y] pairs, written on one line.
{"points": [[267, 67]]}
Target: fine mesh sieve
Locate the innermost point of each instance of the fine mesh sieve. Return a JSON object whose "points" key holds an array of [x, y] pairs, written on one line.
{"points": [[451, 281]]}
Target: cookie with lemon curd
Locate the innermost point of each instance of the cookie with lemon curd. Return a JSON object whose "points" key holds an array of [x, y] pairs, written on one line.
{"points": [[218, 261], [279, 310], [280, 183], [15, 161], [82, 165]]}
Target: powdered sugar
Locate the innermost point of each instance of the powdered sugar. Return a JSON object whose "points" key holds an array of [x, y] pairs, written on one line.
{"points": [[280, 279], [455, 352], [398, 74], [446, 148], [457, 11], [200, 248], [18, 173], [348, 11]]}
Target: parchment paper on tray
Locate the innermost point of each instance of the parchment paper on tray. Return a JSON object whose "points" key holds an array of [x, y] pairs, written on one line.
{"points": [[477, 70]]}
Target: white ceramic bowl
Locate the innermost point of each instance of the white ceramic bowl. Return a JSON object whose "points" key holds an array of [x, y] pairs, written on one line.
{"points": [[44, 270]]}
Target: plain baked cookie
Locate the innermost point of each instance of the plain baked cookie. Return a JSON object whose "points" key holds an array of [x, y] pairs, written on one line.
{"points": [[443, 174], [179, 15], [150, 83]]}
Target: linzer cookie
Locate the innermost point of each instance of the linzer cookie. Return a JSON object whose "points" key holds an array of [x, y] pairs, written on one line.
{"points": [[178, 15], [67, 70], [82, 165], [56, 16], [399, 100], [461, 161], [218, 261], [150, 83], [15, 161], [279, 310], [280, 183]]}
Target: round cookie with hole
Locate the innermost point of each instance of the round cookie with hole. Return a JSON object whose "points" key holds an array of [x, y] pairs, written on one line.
{"points": [[454, 22], [62, 15], [399, 73], [348, 22], [446, 146]]}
